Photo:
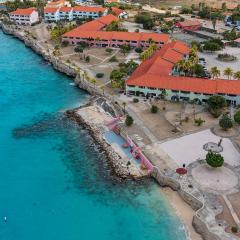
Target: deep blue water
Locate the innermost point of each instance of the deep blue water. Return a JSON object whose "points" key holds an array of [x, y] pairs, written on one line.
{"points": [[55, 184]]}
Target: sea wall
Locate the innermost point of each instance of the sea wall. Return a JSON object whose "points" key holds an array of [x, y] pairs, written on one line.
{"points": [[204, 221], [118, 164]]}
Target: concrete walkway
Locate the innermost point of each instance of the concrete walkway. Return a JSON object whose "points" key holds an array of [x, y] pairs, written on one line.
{"points": [[230, 207], [139, 122]]}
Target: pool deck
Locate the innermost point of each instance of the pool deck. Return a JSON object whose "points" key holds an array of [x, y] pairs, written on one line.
{"points": [[96, 118]]}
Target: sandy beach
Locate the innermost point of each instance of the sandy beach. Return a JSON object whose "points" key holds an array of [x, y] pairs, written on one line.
{"points": [[183, 210]]}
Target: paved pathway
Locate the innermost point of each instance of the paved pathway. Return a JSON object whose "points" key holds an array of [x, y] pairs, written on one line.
{"points": [[232, 211], [149, 134]]}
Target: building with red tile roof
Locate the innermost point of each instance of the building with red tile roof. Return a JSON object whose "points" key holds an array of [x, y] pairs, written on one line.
{"points": [[69, 13], [119, 12], [190, 25], [155, 75], [26, 16], [92, 31], [89, 12], [56, 4]]}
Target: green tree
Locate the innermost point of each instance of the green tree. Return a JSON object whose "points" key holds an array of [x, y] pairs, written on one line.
{"points": [[217, 102], [124, 107], [154, 109], [228, 72], [129, 120], [125, 48], [116, 78], [225, 122], [237, 117], [215, 72], [236, 75], [214, 160]]}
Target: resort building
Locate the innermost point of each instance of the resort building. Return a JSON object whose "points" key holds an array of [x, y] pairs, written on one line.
{"points": [[66, 13], [190, 25], [51, 14], [92, 33], [89, 12], [56, 4], [27, 16], [154, 76], [119, 12]]}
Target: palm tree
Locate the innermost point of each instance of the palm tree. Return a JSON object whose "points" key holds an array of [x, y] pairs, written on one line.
{"points": [[93, 81], [124, 107], [180, 65], [163, 96], [215, 72], [237, 75], [228, 72], [103, 88]]}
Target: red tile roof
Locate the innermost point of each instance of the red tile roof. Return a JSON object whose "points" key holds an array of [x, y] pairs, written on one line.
{"points": [[50, 10], [117, 11], [156, 73], [107, 19], [65, 9], [23, 11], [88, 9]]}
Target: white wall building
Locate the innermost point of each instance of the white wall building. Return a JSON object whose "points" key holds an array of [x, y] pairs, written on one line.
{"points": [[27, 16], [89, 12], [51, 14], [66, 13]]}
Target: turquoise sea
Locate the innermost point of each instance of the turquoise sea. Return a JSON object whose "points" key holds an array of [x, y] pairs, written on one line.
{"points": [[55, 184]]}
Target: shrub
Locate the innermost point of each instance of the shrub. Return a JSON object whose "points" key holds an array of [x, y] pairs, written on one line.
{"points": [[65, 43], [225, 122], [113, 59], [215, 112], [135, 100], [154, 109], [87, 59], [99, 75], [109, 50], [199, 121], [78, 49], [217, 102], [237, 117], [129, 120], [214, 159], [234, 229], [138, 50]]}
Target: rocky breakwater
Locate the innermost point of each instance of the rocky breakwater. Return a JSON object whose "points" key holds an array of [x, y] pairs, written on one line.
{"points": [[93, 118]]}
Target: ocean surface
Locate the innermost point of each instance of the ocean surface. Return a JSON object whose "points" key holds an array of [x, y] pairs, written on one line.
{"points": [[55, 184]]}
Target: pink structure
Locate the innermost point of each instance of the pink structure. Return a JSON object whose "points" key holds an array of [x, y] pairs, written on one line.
{"points": [[137, 153]]}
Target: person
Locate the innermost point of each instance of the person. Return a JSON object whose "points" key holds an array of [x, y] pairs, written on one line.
{"points": [[5, 219]]}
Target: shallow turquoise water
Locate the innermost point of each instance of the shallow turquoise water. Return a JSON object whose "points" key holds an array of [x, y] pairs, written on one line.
{"points": [[54, 182]]}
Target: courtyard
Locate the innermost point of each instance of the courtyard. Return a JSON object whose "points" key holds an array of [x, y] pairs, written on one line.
{"points": [[189, 148]]}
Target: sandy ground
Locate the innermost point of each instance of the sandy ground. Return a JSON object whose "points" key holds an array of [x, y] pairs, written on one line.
{"points": [[183, 210]]}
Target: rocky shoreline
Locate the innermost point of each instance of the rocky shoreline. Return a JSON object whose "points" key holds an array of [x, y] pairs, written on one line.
{"points": [[210, 230], [114, 160]]}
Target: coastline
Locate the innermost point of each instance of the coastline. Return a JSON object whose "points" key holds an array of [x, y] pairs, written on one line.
{"points": [[183, 211], [61, 66]]}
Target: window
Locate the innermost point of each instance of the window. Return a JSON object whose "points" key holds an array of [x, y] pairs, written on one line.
{"points": [[185, 92], [175, 91], [152, 88]]}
